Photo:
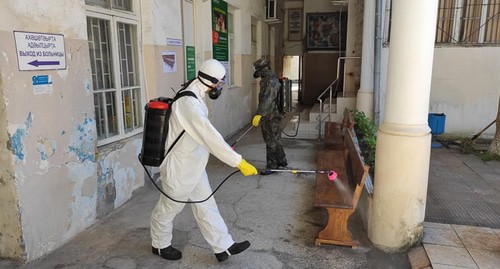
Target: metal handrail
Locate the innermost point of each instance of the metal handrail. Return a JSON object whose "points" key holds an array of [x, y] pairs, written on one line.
{"points": [[329, 89]]}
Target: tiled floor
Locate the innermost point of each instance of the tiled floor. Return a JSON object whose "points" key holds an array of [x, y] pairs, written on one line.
{"points": [[459, 246]]}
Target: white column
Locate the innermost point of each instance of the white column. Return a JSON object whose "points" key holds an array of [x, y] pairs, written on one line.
{"points": [[404, 140], [364, 100]]}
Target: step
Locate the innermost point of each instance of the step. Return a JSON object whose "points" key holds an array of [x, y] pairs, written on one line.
{"points": [[306, 130], [314, 114]]}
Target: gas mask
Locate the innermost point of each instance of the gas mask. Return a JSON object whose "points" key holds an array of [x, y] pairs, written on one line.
{"points": [[216, 90], [260, 67], [259, 71]]}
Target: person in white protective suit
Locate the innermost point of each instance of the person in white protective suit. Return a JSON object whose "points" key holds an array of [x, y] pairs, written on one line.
{"points": [[183, 174]]}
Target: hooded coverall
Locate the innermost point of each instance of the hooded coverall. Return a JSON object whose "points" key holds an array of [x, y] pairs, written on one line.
{"points": [[183, 174], [271, 119]]}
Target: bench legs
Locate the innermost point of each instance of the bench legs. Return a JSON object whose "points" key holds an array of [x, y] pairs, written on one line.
{"points": [[335, 231]]}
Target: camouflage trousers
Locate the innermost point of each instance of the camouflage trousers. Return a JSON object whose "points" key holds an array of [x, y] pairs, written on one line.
{"points": [[271, 132]]}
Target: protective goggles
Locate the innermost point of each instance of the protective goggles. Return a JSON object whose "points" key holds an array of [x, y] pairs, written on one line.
{"points": [[219, 83]]}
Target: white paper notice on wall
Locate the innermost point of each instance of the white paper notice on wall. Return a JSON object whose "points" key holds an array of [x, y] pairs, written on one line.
{"points": [[174, 42], [42, 84], [40, 51], [169, 61]]}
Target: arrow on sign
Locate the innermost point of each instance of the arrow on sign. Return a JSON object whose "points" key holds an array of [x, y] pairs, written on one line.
{"points": [[37, 63]]}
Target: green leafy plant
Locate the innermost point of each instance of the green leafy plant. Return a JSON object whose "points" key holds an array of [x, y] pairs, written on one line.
{"points": [[366, 131]]}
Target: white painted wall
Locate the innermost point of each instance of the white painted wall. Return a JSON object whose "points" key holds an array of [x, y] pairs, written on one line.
{"points": [[465, 87]]}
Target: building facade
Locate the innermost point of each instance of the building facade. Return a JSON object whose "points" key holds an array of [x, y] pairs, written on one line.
{"points": [[74, 79]]}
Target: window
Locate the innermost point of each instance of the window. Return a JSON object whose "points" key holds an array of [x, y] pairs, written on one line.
{"points": [[125, 5], [116, 80], [465, 22]]}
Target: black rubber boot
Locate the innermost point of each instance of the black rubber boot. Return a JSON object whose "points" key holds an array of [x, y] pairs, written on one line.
{"points": [[232, 250], [169, 253]]}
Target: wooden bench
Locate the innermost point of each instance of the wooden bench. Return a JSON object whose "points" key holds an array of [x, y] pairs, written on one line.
{"points": [[340, 197], [333, 131]]}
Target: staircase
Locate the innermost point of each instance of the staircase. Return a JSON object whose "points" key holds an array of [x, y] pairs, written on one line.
{"points": [[307, 125]]}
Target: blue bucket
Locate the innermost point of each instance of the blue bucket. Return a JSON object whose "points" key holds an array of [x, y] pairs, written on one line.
{"points": [[436, 122]]}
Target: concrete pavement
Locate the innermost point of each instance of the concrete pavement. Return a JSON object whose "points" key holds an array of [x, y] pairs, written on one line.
{"points": [[275, 213]]}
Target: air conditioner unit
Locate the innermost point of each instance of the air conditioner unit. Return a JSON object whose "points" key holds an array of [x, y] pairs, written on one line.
{"points": [[271, 10]]}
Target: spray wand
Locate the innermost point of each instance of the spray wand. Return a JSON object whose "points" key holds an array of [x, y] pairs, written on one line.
{"points": [[234, 143], [332, 175]]}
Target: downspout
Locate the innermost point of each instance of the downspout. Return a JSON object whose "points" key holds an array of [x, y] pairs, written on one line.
{"points": [[378, 57]]}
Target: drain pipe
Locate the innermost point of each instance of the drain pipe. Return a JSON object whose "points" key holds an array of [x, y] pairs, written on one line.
{"points": [[377, 60]]}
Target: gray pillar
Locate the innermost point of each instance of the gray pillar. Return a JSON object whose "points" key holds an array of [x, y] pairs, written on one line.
{"points": [[404, 140]]}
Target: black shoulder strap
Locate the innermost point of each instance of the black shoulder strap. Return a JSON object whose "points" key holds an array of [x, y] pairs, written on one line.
{"points": [[177, 96], [184, 93]]}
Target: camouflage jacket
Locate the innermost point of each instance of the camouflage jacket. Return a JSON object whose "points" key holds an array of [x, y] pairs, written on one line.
{"points": [[269, 88]]}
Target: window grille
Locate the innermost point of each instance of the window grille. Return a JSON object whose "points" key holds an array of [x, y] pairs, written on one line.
{"points": [[462, 22], [116, 80]]}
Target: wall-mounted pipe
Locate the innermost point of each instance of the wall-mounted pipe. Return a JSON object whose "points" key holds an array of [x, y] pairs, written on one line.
{"points": [[378, 58]]}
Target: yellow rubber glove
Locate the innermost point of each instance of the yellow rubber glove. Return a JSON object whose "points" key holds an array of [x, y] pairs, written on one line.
{"points": [[246, 168], [256, 120]]}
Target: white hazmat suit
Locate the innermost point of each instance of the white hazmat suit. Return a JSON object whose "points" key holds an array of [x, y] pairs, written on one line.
{"points": [[183, 172]]}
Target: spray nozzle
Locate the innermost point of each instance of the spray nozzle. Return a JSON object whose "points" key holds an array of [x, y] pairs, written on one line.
{"points": [[332, 175]]}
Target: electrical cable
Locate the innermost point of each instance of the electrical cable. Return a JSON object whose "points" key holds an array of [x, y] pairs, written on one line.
{"points": [[184, 202]]}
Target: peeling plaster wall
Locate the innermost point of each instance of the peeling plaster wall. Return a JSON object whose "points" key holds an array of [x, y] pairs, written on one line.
{"points": [[52, 135], [11, 244], [119, 174], [53, 186]]}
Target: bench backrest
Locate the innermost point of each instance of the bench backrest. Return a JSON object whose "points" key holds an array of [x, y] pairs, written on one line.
{"points": [[347, 120], [358, 168]]}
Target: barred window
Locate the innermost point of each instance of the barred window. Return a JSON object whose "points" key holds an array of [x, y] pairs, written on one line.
{"points": [[114, 58], [463, 22]]}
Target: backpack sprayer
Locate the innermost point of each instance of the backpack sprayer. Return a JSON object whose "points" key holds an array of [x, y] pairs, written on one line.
{"points": [[157, 114]]}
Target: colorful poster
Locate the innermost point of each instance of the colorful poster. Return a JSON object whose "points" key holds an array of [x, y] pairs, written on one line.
{"points": [[190, 63], [219, 30]]}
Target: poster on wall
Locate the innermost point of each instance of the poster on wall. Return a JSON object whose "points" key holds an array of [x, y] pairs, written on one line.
{"points": [[219, 30], [190, 63], [326, 31], [169, 61], [295, 24]]}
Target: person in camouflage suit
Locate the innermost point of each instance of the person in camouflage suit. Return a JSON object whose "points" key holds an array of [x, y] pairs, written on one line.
{"points": [[269, 114]]}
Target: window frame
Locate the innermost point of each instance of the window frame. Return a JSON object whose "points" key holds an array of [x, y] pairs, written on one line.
{"points": [[114, 16], [457, 26]]}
